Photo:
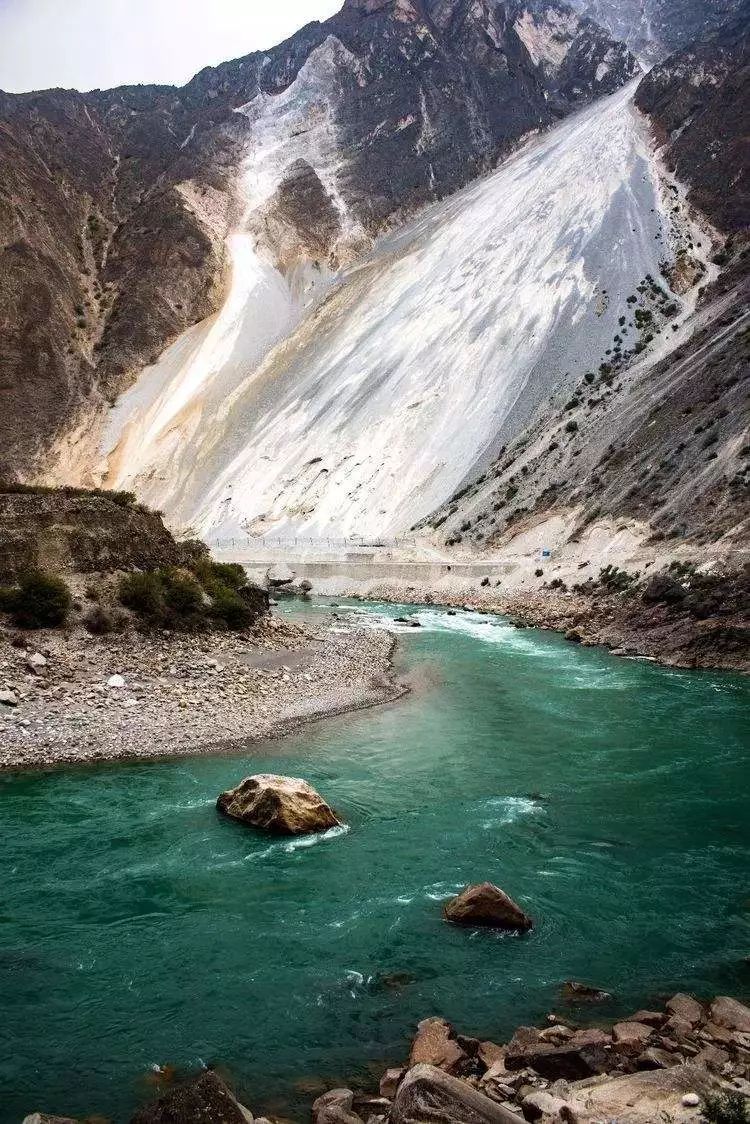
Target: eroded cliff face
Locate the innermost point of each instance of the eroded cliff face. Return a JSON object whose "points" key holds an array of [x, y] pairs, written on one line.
{"points": [[116, 206], [652, 444], [653, 29]]}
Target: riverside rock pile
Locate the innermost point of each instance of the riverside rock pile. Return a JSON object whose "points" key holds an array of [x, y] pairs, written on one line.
{"points": [[72, 697], [654, 1066]]}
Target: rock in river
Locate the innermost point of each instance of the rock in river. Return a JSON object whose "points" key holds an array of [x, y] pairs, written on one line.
{"points": [[206, 1098], [286, 805], [486, 904]]}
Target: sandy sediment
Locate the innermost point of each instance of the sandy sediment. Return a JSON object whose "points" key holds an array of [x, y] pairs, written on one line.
{"points": [[142, 696]]}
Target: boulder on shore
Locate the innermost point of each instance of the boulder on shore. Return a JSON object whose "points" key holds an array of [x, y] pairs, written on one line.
{"points": [[287, 805], [729, 1013], [426, 1093], [486, 904]]}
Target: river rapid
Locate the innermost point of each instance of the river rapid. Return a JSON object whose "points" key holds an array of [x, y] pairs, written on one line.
{"points": [[608, 796]]}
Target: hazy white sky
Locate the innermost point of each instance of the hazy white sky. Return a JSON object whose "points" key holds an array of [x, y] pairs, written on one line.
{"points": [[90, 43]]}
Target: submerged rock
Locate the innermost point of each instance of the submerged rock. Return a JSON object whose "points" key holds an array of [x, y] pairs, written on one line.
{"points": [[287, 805], [45, 1118], [426, 1093], [488, 905], [206, 1098], [574, 992]]}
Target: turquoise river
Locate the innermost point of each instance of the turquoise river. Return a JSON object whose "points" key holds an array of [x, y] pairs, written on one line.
{"points": [[138, 929]]}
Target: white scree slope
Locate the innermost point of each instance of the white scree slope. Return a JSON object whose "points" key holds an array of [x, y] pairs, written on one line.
{"points": [[361, 413]]}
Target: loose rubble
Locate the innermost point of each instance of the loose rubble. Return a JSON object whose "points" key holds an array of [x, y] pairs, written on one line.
{"points": [[140, 695], [558, 1074]]}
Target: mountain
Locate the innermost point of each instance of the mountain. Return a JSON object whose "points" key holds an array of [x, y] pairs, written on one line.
{"points": [[653, 29], [549, 346], [116, 206]]}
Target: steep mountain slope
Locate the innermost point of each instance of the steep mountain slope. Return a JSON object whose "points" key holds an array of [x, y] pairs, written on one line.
{"points": [[699, 101], [653, 29], [654, 453], [363, 415], [115, 206]]}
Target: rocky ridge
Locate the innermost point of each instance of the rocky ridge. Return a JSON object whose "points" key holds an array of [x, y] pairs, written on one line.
{"points": [[115, 206]]}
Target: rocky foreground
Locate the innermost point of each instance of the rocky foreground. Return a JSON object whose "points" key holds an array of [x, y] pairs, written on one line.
{"points": [[70, 697], [687, 1062]]}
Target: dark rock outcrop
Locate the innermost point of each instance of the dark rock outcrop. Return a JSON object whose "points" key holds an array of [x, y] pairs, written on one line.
{"points": [[206, 1100], [487, 905], [84, 532], [286, 805], [699, 101]]}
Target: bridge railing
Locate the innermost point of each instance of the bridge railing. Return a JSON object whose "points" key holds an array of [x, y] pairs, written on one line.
{"points": [[258, 544]]}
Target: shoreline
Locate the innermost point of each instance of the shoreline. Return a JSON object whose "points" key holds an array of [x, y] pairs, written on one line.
{"points": [[622, 624], [183, 695]]}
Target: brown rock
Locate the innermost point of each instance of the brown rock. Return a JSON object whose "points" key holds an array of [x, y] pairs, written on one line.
{"points": [[286, 805], [435, 1045], [729, 1013], [427, 1093], [389, 1082], [654, 1058], [335, 1107], [489, 1053], [650, 1018], [486, 904], [712, 1058], [685, 1007], [630, 1038], [591, 1036], [206, 1098], [678, 1027], [713, 1032]]}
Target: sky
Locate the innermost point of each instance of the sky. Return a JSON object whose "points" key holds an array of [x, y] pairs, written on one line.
{"points": [[87, 44]]}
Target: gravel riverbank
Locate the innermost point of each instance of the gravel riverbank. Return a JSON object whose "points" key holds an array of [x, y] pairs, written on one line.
{"points": [[70, 698]]}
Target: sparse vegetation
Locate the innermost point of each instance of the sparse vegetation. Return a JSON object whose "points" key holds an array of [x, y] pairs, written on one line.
{"points": [[726, 1108], [39, 600]]}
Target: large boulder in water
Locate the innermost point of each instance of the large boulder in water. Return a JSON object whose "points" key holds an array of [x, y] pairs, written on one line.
{"points": [[206, 1098], [486, 904], [286, 805]]}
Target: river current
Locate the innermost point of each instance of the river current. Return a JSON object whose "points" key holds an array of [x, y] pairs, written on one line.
{"points": [[138, 929]]}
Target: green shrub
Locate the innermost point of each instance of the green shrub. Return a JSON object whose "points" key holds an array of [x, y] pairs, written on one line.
{"points": [[143, 593], [571, 427], [101, 622], [228, 606], [183, 595], [39, 601], [229, 574], [726, 1108]]}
